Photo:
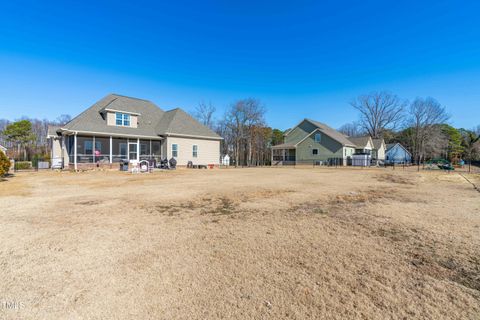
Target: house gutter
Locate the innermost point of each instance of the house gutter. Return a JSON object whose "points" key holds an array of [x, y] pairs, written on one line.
{"points": [[106, 134], [167, 134]]}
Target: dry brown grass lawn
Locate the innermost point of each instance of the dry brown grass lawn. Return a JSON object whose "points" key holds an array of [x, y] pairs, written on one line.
{"points": [[240, 244]]}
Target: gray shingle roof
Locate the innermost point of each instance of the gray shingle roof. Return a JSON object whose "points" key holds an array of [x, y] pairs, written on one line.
{"points": [[52, 131], [152, 121], [332, 133], [360, 142], [377, 143], [391, 145], [179, 122]]}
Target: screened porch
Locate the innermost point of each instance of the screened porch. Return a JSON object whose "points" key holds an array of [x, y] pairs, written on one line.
{"points": [[84, 149]]}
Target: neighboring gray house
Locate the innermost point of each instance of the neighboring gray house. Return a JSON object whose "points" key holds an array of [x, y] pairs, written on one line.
{"points": [[396, 153], [313, 142], [119, 127]]}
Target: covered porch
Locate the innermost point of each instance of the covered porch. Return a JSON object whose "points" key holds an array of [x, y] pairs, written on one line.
{"points": [[283, 154], [106, 150]]}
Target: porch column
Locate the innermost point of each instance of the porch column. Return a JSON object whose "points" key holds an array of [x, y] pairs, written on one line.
{"points": [[138, 149], [63, 151], [75, 151], [94, 149], [111, 149]]}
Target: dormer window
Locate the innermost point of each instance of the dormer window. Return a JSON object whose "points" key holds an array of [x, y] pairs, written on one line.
{"points": [[122, 119], [318, 137]]}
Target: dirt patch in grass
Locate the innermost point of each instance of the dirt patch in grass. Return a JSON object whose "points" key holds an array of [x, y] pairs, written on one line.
{"points": [[255, 243], [397, 178]]}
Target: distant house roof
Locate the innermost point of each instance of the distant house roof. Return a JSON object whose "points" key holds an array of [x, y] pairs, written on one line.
{"points": [[392, 145], [377, 143], [151, 122], [332, 133], [361, 142]]}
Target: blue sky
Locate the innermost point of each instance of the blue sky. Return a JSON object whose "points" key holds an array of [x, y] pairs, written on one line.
{"points": [[300, 58]]}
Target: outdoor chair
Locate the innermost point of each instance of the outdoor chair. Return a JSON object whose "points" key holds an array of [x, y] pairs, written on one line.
{"points": [[135, 166]]}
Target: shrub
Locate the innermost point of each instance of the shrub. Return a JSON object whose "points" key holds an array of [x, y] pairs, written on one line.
{"points": [[4, 164], [23, 165]]}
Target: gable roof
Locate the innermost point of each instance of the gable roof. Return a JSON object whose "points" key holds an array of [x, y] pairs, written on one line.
{"points": [[332, 133], [52, 131], [392, 145], [361, 142], [377, 143], [151, 120], [178, 122]]}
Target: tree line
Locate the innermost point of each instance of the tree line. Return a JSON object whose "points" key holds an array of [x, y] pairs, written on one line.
{"points": [[247, 137], [421, 126], [27, 137]]}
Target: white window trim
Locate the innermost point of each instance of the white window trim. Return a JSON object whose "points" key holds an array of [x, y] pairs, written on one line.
{"points": [[123, 117], [315, 137], [175, 144], [195, 151]]}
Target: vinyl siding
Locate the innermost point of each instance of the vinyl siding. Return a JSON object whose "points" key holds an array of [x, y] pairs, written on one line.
{"points": [[381, 153], [111, 120], [299, 132], [208, 150], [327, 148], [398, 154]]}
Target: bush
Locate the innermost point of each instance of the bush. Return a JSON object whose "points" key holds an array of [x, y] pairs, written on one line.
{"points": [[4, 164], [23, 165]]}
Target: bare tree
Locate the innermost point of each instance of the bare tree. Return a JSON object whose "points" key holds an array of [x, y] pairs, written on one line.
{"points": [[351, 129], [471, 144], [204, 114], [63, 119], [241, 120], [379, 111], [425, 116]]}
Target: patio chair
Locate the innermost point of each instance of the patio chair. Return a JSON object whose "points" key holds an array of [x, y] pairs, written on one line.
{"points": [[135, 166], [144, 166]]}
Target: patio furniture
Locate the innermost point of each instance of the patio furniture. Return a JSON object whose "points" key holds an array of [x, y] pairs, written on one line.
{"points": [[135, 166], [123, 165], [173, 163]]}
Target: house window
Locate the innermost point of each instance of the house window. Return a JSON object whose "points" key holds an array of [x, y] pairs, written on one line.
{"points": [[318, 137], [122, 119], [314, 151], [174, 150], [195, 151]]}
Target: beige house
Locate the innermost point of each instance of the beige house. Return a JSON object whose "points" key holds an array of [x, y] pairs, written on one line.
{"points": [[379, 149], [119, 128]]}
